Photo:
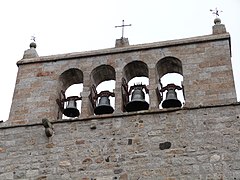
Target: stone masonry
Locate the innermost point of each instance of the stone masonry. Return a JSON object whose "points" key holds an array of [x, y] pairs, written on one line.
{"points": [[206, 65], [198, 143], [200, 140]]}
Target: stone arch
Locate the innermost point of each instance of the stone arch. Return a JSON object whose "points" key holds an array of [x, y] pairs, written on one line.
{"points": [[170, 76], [102, 73], [131, 71], [70, 77], [169, 64], [102, 89], [135, 69]]}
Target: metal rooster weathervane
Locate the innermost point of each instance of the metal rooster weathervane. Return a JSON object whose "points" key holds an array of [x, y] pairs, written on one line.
{"points": [[33, 38], [216, 12]]}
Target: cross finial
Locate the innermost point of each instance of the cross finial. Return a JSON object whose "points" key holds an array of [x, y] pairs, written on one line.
{"points": [[216, 12], [122, 26]]}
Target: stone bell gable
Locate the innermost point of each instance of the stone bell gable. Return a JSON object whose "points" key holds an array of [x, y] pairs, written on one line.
{"points": [[147, 132], [204, 62]]}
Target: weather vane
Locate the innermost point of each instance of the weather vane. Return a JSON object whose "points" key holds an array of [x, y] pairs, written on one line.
{"points": [[33, 38], [216, 12], [122, 26]]}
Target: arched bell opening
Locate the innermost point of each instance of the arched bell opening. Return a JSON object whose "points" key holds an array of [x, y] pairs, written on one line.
{"points": [[134, 87], [173, 91], [71, 86], [170, 89], [101, 96], [73, 106]]}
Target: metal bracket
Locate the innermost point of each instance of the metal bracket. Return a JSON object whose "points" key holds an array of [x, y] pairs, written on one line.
{"points": [[93, 96], [143, 86], [125, 95], [158, 91], [171, 86]]}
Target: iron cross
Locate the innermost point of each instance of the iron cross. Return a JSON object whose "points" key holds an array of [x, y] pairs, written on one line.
{"points": [[122, 26], [216, 11]]}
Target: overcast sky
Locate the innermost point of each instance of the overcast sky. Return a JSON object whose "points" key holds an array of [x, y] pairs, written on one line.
{"points": [[64, 26]]}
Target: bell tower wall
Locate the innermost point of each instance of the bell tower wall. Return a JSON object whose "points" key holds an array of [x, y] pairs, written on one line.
{"points": [[199, 140], [206, 70]]}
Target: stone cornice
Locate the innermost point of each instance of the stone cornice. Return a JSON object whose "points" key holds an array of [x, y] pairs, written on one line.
{"points": [[8, 124], [161, 44]]}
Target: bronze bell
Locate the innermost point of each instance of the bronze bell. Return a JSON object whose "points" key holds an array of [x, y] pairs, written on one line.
{"points": [[71, 109], [171, 98], [104, 106], [137, 102]]}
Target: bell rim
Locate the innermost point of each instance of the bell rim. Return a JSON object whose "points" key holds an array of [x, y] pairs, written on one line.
{"points": [[98, 109], [178, 103], [144, 106], [68, 114]]}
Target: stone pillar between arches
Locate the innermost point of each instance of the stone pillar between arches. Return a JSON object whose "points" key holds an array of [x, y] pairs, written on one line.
{"points": [[118, 93], [153, 100], [86, 108]]}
